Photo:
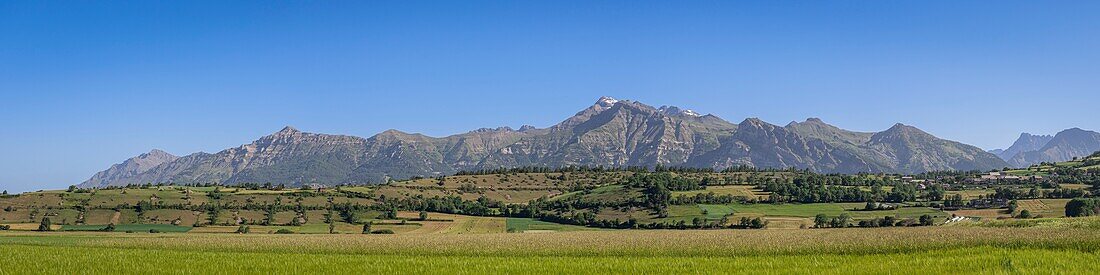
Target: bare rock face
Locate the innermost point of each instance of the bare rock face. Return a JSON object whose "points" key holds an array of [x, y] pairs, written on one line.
{"points": [[1025, 143], [610, 133], [129, 168], [1064, 146], [616, 133], [913, 151]]}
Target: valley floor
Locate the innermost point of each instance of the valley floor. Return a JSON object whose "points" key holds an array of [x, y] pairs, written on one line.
{"points": [[948, 249]]}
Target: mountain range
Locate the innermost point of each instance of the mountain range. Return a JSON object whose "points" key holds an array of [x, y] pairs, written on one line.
{"points": [[1032, 149], [610, 133]]}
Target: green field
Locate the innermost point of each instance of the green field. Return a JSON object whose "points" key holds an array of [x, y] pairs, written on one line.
{"points": [[525, 224], [819, 251], [129, 227]]}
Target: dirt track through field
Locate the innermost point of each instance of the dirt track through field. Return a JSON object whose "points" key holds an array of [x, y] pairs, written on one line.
{"points": [[115, 217]]}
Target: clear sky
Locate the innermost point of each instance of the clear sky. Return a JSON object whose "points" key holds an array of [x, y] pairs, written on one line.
{"points": [[87, 84]]}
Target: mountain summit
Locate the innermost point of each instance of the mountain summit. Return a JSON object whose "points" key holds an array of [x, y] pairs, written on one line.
{"points": [[130, 168], [1064, 146], [1026, 142], [610, 133]]}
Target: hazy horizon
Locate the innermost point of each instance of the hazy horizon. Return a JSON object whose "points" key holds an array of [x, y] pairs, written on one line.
{"points": [[88, 85]]}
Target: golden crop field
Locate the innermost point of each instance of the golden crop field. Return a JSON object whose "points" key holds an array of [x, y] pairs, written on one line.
{"points": [[821, 251]]}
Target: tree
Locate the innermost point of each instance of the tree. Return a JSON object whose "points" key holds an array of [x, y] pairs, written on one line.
{"points": [[842, 220], [1035, 193], [1082, 207], [45, 225], [392, 213], [1012, 206], [5, 193], [821, 221], [72, 188], [935, 192], [871, 205], [110, 228], [243, 229], [902, 193], [329, 215], [759, 223], [657, 196], [366, 227], [954, 201], [926, 220], [213, 214], [269, 216], [423, 215]]}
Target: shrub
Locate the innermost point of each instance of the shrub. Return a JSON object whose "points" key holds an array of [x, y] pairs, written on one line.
{"points": [[927, 220], [154, 230], [284, 231], [1025, 214], [5, 227], [382, 231]]}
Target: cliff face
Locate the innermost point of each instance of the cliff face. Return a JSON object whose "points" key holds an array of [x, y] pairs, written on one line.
{"points": [[609, 133], [1025, 143], [130, 168], [1063, 146]]}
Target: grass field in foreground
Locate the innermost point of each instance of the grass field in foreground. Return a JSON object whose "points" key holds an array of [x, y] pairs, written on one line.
{"points": [[859, 251]]}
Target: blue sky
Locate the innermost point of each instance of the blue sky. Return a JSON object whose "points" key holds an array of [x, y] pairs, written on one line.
{"points": [[87, 84]]}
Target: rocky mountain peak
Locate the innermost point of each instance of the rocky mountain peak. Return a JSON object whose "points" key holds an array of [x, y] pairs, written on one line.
{"points": [[156, 153], [753, 122], [673, 110], [611, 132], [1026, 142], [129, 168], [1067, 144], [605, 102], [288, 130], [285, 133], [903, 129], [813, 121], [493, 130]]}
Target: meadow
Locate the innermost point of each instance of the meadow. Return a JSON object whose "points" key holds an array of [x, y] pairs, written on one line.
{"points": [[947, 249], [288, 230]]}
